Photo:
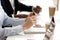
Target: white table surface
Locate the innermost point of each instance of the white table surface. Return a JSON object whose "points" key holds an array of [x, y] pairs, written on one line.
{"points": [[30, 34], [27, 37]]}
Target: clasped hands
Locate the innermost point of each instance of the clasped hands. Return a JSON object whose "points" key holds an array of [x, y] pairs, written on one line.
{"points": [[30, 20]]}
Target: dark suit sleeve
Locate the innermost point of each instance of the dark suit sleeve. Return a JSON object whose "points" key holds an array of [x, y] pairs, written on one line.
{"points": [[22, 7], [7, 7]]}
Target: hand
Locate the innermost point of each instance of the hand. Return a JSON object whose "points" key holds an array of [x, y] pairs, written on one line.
{"points": [[32, 14], [29, 22], [37, 9]]}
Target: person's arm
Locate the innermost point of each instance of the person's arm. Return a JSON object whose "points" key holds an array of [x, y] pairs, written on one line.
{"points": [[1, 32], [8, 31], [16, 29], [21, 16], [16, 26], [11, 31], [22, 7], [12, 22]]}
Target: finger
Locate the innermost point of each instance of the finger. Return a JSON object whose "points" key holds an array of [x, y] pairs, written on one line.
{"points": [[34, 22], [33, 17], [32, 14], [28, 18]]}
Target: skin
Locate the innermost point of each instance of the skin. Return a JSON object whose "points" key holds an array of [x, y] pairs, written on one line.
{"points": [[29, 22], [31, 18]]}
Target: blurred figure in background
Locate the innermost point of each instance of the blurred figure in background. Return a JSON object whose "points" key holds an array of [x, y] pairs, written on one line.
{"points": [[12, 6]]}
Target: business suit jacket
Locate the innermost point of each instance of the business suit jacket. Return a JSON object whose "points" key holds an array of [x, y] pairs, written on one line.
{"points": [[18, 6]]}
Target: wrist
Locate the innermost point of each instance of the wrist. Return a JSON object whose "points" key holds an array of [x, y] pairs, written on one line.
{"points": [[27, 25], [24, 26]]}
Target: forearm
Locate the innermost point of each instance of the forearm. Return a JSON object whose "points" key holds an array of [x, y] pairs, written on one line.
{"points": [[23, 7], [21, 16], [13, 22]]}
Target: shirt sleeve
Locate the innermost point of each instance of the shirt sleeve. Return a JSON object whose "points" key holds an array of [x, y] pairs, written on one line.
{"points": [[16, 26], [11, 31], [1, 32], [12, 22], [22, 7], [16, 29]]}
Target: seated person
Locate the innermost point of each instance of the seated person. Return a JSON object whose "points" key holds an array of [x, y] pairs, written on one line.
{"points": [[18, 26]]}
